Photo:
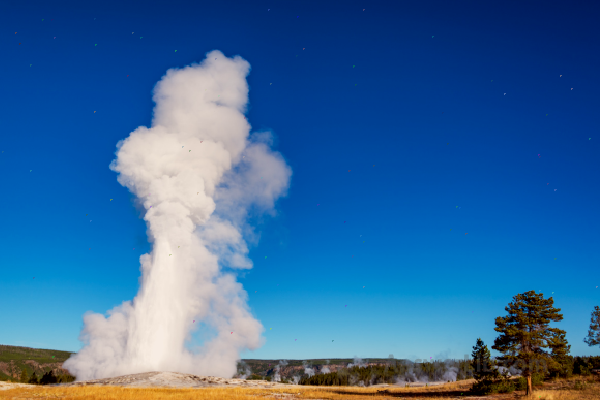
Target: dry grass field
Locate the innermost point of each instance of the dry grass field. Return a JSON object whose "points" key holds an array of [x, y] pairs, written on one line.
{"points": [[556, 390]]}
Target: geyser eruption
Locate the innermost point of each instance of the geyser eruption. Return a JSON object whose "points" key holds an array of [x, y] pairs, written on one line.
{"points": [[198, 173]]}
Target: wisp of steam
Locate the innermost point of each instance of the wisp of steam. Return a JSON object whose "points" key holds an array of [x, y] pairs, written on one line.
{"points": [[199, 174], [277, 376]]}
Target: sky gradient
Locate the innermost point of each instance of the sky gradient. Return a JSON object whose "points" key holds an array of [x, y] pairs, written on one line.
{"points": [[441, 165]]}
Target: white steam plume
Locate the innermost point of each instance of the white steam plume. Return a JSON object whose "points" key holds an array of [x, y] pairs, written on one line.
{"points": [[277, 376], [358, 362], [450, 374], [247, 371], [451, 370], [197, 202], [308, 370]]}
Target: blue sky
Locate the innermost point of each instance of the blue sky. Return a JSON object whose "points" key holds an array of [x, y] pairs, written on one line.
{"points": [[431, 105]]}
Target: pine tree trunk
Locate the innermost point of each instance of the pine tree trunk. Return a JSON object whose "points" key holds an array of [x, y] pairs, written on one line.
{"points": [[529, 386]]}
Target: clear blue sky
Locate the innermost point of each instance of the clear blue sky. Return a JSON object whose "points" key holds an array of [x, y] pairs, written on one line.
{"points": [[409, 96]]}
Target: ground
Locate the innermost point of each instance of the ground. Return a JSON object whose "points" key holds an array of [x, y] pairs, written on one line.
{"points": [[572, 389]]}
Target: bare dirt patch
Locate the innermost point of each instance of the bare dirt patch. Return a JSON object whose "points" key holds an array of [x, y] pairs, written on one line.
{"points": [[174, 380]]}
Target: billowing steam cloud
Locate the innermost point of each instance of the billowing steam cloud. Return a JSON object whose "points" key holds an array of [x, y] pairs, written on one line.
{"points": [[198, 174]]}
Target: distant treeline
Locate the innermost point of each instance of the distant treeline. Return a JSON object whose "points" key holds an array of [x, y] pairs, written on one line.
{"points": [[580, 365], [450, 370], [393, 372], [17, 353]]}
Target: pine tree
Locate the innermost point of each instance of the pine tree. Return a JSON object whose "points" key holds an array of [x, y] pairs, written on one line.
{"points": [[525, 332], [34, 378], [484, 371], [24, 376], [48, 378], [482, 362], [593, 337], [560, 363], [582, 365]]}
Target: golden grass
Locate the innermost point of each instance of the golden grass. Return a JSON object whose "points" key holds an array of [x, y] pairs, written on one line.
{"points": [[296, 393], [122, 393], [587, 394], [590, 392], [334, 393]]}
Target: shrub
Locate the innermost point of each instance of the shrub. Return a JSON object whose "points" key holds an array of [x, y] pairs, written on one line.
{"points": [[580, 385], [66, 378], [536, 380], [489, 386]]}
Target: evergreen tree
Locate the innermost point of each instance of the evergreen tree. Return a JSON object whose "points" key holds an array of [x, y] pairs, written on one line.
{"points": [[595, 361], [34, 378], [593, 337], [525, 332], [48, 378], [582, 366], [465, 371], [560, 363], [486, 372], [24, 376], [482, 363]]}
